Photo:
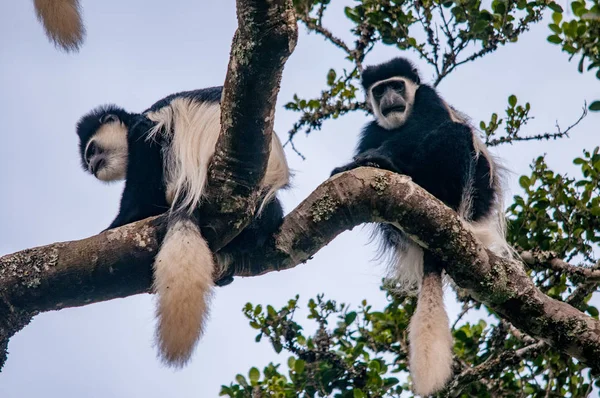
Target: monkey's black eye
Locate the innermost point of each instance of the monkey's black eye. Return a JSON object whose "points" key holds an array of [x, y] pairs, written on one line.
{"points": [[90, 151], [398, 85], [378, 90]]}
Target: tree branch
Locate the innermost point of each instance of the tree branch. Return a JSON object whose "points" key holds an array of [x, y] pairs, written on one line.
{"points": [[492, 365], [117, 263], [549, 260], [266, 36]]}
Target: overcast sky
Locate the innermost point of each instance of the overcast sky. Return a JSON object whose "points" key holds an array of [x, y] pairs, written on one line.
{"points": [[139, 51]]}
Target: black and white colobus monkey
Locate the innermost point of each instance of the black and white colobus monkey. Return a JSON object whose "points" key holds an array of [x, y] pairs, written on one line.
{"points": [[163, 155], [416, 133]]}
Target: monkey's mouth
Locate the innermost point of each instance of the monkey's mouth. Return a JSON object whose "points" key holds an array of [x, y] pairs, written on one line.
{"points": [[392, 109]]}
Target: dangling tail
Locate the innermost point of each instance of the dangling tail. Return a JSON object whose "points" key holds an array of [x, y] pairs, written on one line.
{"points": [[183, 281], [429, 335], [62, 22]]}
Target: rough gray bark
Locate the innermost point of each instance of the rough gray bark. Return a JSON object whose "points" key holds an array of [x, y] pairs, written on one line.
{"points": [[266, 36], [118, 263]]}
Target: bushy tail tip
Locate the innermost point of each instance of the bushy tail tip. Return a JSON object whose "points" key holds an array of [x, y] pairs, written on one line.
{"points": [[62, 22], [430, 339], [183, 280]]}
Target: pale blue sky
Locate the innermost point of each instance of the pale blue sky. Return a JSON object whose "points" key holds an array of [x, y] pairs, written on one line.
{"points": [[139, 51]]}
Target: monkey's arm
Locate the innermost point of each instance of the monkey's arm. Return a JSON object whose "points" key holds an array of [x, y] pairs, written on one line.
{"points": [[135, 206], [444, 162], [377, 157], [144, 194]]}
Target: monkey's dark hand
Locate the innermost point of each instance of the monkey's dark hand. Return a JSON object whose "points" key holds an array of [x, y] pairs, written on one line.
{"points": [[370, 158], [375, 158], [338, 170]]}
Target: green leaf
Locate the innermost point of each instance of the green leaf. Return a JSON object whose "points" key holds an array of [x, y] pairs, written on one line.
{"points": [[512, 100], [241, 380], [331, 77], [569, 48], [460, 335], [578, 8], [580, 65], [350, 317], [390, 382], [555, 7], [555, 28], [254, 375], [299, 366], [255, 325], [556, 17], [499, 7], [480, 25], [524, 182], [358, 393], [595, 106], [554, 39], [257, 310]]}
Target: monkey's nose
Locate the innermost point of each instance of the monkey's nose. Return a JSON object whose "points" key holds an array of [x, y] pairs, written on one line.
{"points": [[96, 164]]}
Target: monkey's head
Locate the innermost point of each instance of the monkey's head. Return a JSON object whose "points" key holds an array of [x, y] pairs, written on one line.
{"points": [[390, 90], [103, 142]]}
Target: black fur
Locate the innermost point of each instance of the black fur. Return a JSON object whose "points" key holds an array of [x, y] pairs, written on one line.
{"points": [[395, 67], [210, 95], [437, 153], [145, 191]]}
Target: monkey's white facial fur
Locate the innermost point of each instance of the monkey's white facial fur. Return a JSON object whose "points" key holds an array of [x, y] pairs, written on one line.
{"points": [[392, 100], [106, 153]]}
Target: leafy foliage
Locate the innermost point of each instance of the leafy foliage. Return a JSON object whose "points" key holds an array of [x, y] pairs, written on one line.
{"points": [[363, 353], [579, 36], [559, 213]]}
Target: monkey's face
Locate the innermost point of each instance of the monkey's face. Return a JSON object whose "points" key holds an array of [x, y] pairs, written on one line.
{"points": [[105, 154], [392, 100]]}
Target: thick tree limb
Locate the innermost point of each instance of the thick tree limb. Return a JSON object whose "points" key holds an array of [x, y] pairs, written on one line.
{"points": [[265, 38], [117, 263]]}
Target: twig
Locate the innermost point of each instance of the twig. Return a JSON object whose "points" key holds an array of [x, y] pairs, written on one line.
{"points": [[492, 365], [465, 308], [317, 27], [539, 137], [549, 260]]}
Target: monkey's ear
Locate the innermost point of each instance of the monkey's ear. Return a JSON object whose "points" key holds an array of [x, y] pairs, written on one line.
{"points": [[417, 79], [109, 118]]}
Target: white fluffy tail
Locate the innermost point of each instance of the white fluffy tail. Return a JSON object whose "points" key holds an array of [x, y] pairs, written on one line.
{"points": [[183, 280], [62, 22], [430, 339]]}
